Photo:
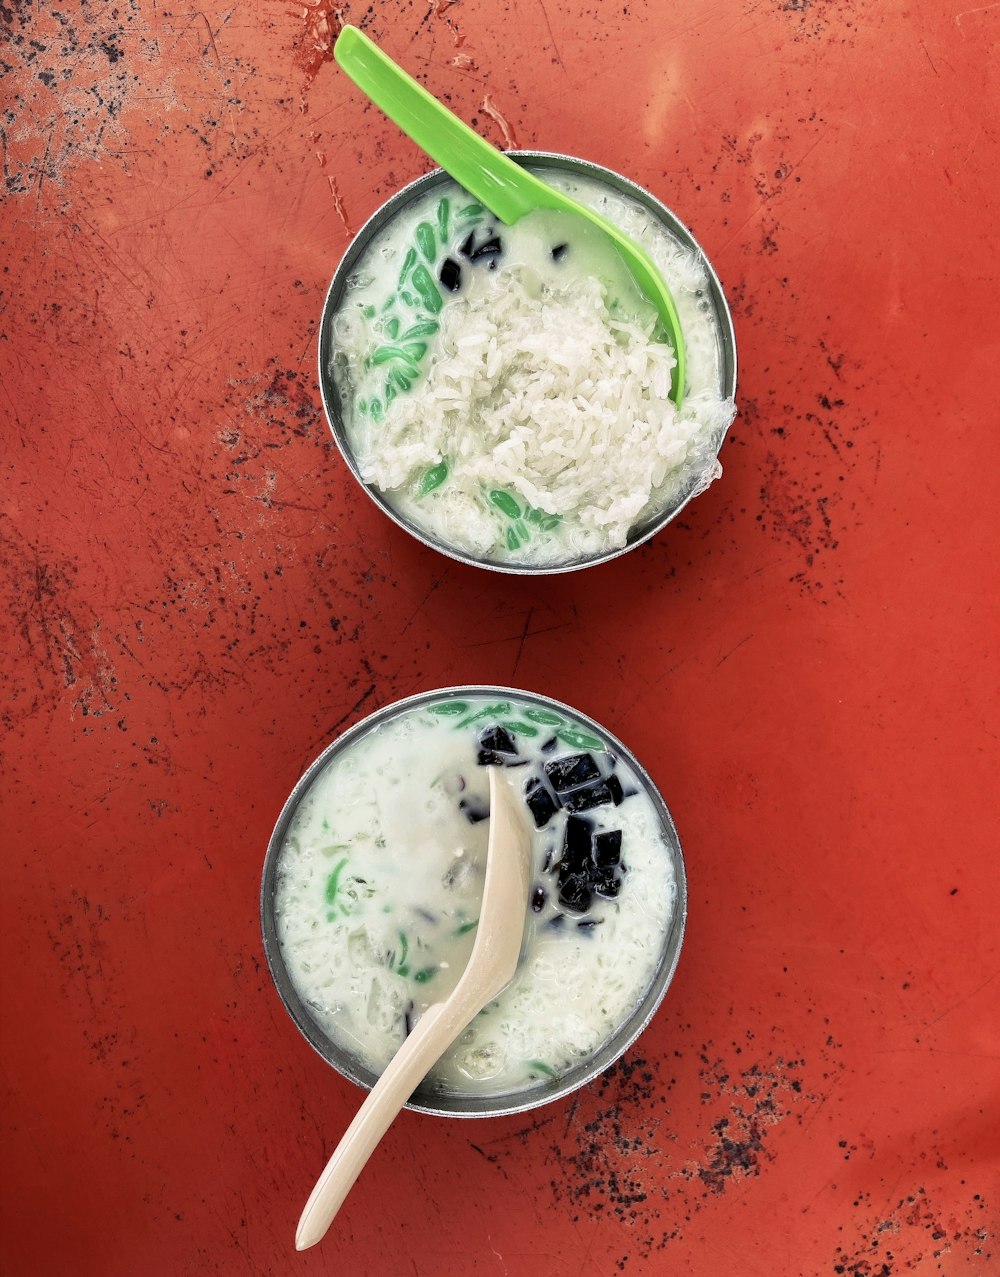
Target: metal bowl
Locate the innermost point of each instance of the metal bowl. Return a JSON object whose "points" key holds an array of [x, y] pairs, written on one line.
{"points": [[540, 162], [448, 1104]]}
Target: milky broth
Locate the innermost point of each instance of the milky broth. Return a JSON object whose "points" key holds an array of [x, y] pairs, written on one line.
{"points": [[379, 884]]}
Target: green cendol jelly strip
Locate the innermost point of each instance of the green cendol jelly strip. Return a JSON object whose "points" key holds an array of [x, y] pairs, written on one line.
{"points": [[504, 502], [442, 216], [545, 521], [430, 294], [525, 729], [431, 479], [416, 291], [409, 261], [402, 968], [424, 329], [385, 354], [333, 881], [543, 716], [518, 533], [426, 241], [503, 713], [579, 739], [491, 711]]}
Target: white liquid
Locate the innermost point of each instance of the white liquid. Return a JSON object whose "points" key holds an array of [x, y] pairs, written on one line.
{"points": [[383, 823]]}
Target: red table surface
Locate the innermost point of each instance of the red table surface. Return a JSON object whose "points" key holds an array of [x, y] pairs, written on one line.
{"points": [[199, 597]]}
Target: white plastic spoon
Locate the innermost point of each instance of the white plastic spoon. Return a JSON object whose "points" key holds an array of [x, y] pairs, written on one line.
{"points": [[492, 964]]}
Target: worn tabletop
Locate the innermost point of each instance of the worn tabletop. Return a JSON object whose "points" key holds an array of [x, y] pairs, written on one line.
{"points": [[198, 597]]}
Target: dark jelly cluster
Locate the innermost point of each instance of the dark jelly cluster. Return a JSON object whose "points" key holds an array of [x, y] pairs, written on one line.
{"points": [[589, 862]]}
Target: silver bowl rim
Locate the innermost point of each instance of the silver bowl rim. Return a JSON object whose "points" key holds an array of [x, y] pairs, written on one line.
{"points": [[331, 398], [486, 1105]]}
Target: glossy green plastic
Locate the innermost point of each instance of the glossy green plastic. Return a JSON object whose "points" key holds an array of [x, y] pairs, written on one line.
{"points": [[491, 177]]}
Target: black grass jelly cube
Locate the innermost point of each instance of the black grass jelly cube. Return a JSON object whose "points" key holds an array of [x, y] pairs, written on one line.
{"points": [[571, 771], [607, 848], [496, 747], [576, 853], [574, 893], [540, 802], [598, 795]]}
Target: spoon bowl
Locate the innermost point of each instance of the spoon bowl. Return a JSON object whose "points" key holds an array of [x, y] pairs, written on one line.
{"points": [[505, 188]]}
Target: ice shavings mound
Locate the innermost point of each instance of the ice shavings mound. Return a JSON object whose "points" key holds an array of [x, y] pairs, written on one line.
{"points": [[550, 396]]}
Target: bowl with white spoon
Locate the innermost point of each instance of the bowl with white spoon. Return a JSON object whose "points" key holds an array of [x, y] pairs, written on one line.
{"points": [[373, 878], [372, 900]]}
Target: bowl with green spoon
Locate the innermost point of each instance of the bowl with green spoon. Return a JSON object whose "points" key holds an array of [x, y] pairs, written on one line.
{"points": [[415, 279], [509, 191]]}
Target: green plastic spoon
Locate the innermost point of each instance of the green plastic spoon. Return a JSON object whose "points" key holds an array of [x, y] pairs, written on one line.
{"points": [[506, 189]]}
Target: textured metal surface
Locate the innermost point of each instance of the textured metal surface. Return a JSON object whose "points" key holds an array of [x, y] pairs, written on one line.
{"points": [[197, 597]]}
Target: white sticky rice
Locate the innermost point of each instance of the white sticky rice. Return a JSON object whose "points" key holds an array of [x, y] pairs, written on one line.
{"points": [[548, 396]]}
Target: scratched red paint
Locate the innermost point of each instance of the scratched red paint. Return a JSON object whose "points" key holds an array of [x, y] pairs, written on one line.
{"points": [[198, 598]]}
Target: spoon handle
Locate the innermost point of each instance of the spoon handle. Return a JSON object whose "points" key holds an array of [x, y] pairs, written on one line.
{"points": [[486, 173], [405, 1071]]}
